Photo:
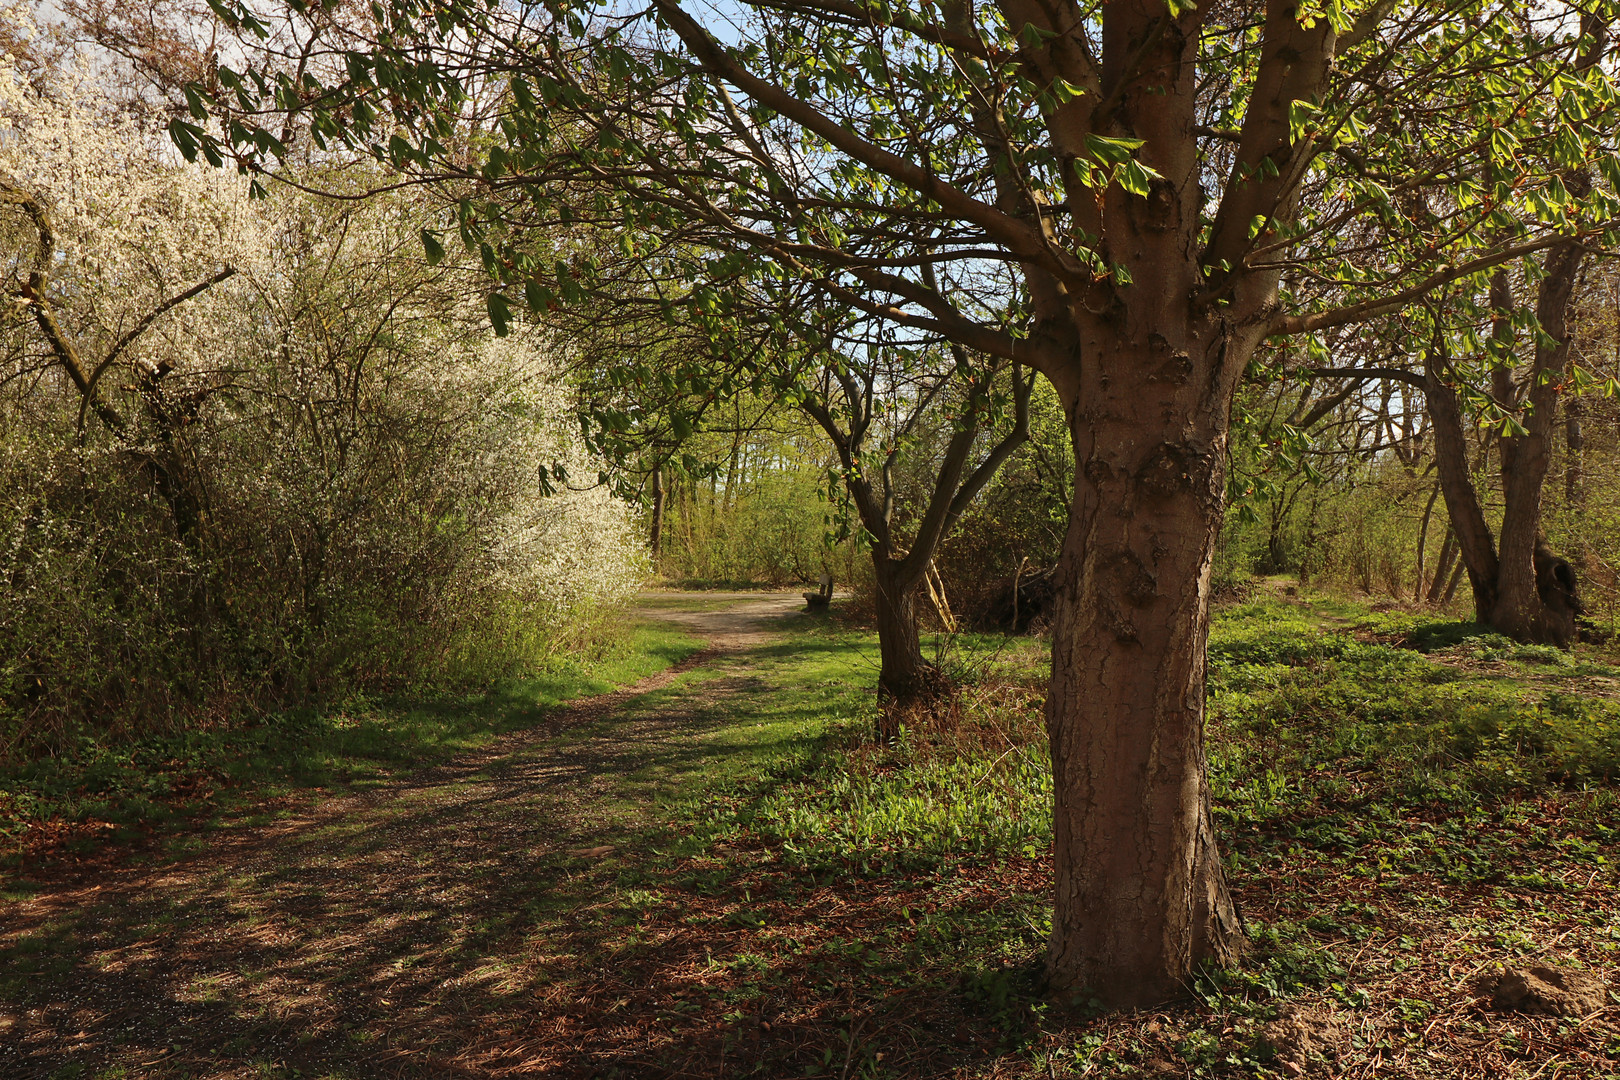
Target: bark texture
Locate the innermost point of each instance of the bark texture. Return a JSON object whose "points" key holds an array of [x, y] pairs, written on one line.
{"points": [[1140, 895]]}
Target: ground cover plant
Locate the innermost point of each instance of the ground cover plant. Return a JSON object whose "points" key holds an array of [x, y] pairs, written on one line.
{"points": [[727, 877], [110, 791]]}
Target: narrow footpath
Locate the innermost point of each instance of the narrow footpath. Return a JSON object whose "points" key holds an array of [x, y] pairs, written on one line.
{"points": [[377, 934]]}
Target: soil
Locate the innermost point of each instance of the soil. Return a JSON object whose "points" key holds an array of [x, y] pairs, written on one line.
{"points": [[371, 934], [742, 620]]}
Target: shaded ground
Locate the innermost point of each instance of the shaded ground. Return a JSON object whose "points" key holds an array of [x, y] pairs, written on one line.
{"points": [[380, 934], [714, 874]]}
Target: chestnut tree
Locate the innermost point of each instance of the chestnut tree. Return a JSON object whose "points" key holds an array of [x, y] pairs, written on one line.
{"points": [[1130, 197]]}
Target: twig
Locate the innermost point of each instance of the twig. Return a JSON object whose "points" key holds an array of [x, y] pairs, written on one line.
{"points": [[849, 1048]]}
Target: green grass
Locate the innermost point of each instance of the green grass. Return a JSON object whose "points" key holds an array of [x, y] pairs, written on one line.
{"points": [[742, 883], [122, 790], [1350, 750]]}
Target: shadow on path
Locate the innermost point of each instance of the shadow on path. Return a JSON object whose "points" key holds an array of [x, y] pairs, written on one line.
{"points": [[380, 933]]}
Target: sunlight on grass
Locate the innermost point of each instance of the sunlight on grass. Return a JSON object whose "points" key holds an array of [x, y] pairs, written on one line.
{"points": [[118, 789], [729, 876]]}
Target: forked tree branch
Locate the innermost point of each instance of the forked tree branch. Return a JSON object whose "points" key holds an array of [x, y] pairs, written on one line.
{"points": [[1374, 308]]}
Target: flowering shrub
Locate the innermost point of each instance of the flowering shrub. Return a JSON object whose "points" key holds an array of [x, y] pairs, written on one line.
{"points": [[317, 474]]}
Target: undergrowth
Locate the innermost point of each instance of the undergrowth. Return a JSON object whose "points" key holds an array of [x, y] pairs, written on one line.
{"points": [[1350, 751], [764, 890], [102, 789]]}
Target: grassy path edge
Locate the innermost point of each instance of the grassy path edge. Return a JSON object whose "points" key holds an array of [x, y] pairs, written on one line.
{"points": [[169, 796]]}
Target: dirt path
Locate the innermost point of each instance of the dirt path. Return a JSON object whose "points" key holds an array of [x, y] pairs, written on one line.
{"points": [[386, 933], [729, 621]]}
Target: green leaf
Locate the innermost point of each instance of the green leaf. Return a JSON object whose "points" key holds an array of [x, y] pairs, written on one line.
{"points": [[522, 94], [1114, 151], [500, 313], [185, 137], [1504, 144], [434, 249], [1064, 91], [196, 101], [1301, 115], [1135, 177], [537, 296], [1034, 37]]}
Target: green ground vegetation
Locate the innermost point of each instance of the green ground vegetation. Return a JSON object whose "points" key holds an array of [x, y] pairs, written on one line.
{"points": [[110, 789], [738, 881]]}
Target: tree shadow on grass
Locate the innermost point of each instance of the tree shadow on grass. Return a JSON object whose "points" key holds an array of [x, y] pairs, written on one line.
{"points": [[531, 913]]}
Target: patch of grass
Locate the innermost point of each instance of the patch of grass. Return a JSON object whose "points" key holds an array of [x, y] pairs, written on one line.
{"points": [[1290, 703], [730, 878], [122, 791], [1366, 792]]}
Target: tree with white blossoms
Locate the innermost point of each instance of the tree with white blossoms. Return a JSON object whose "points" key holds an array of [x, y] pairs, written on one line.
{"points": [[569, 544], [256, 446], [113, 251]]}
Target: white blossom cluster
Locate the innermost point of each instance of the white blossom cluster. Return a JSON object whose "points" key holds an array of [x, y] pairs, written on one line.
{"points": [[578, 546], [369, 464], [134, 226]]}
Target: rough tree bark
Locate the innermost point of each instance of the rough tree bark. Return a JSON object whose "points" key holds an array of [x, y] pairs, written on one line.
{"points": [[1137, 909], [1140, 898]]}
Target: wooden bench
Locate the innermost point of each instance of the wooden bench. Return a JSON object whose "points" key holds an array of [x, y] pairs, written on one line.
{"points": [[822, 596]]}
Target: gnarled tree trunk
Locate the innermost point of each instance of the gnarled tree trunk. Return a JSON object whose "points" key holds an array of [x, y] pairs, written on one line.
{"points": [[1140, 897]]}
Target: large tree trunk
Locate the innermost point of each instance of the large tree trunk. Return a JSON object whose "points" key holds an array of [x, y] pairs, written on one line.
{"points": [[906, 680], [1140, 897]]}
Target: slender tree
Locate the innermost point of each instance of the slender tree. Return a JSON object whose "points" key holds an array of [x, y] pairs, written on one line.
{"points": [[1157, 186], [848, 405], [877, 400]]}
